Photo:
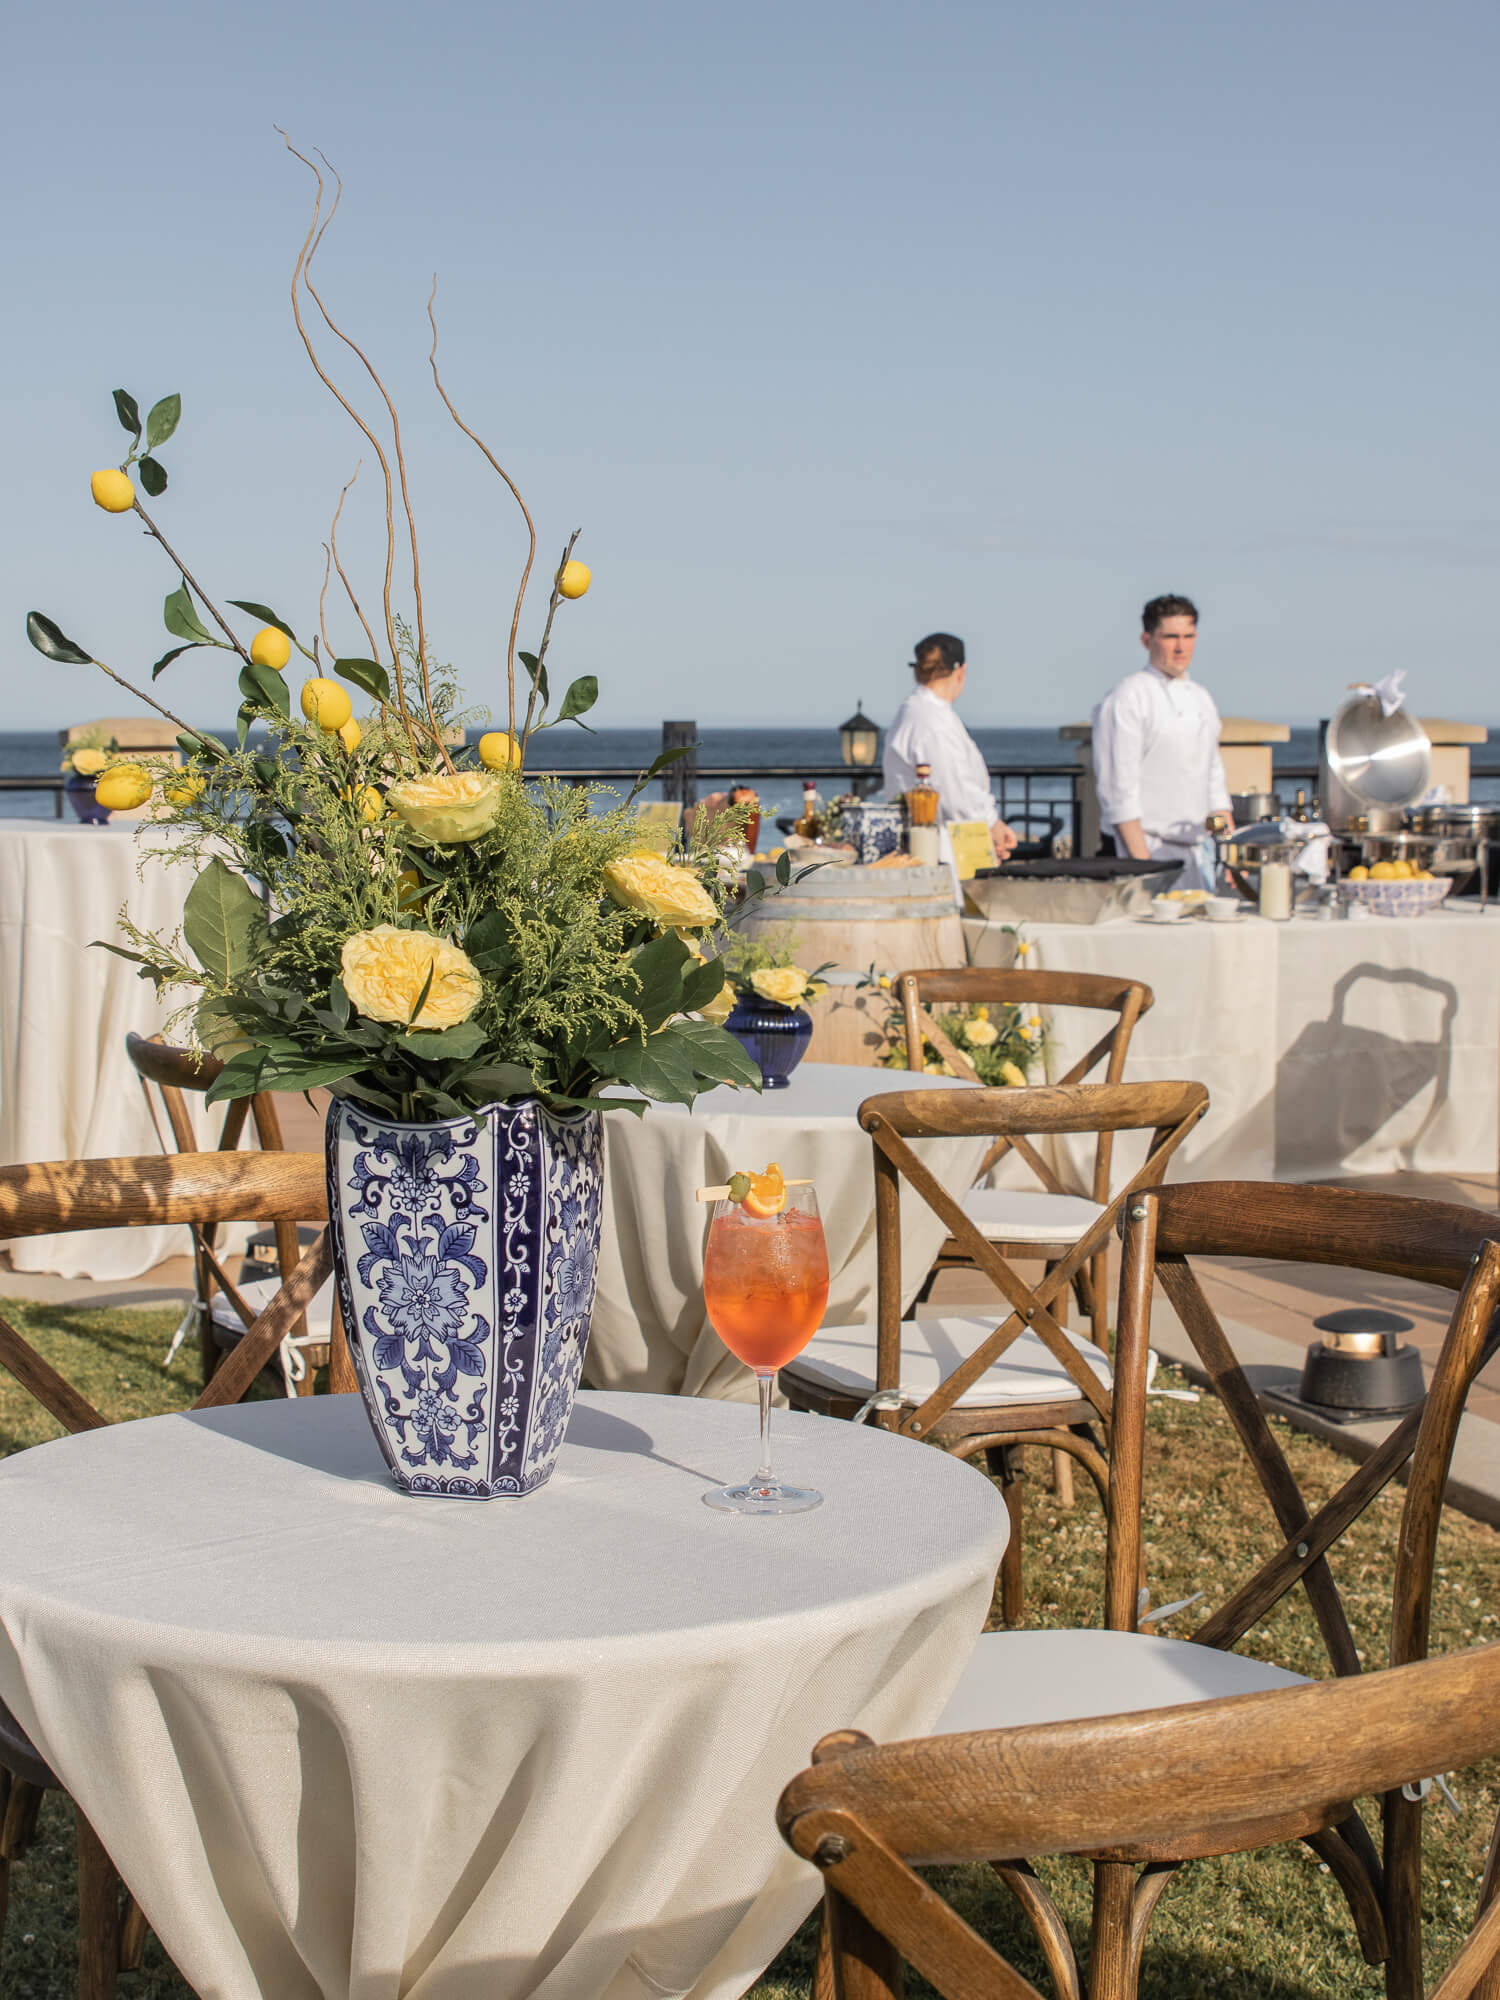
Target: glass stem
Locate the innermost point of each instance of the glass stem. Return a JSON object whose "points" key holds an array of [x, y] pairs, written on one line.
{"points": [[766, 1384]]}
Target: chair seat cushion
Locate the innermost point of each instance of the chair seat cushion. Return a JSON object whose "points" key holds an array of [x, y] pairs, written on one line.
{"points": [[1016, 1678], [842, 1359], [19, 1754], [258, 1294], [1030, 1215]]}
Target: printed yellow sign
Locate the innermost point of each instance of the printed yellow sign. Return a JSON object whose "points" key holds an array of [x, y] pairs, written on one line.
{"points": [[972, 847]]}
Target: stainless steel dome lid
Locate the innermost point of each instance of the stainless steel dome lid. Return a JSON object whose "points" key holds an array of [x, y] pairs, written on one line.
{"points": [[1384, 760]]}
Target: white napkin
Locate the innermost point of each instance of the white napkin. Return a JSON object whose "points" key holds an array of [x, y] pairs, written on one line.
{"points": [[1390, 692]]}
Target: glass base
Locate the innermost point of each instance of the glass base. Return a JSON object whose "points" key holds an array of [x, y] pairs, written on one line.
{"points": [[758, 1496]]}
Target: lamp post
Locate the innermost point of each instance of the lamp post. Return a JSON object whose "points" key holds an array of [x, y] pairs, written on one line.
{"points": [[859, 746]]}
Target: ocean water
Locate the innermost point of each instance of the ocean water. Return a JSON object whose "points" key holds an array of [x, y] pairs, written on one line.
{"points": [[742, 751]]}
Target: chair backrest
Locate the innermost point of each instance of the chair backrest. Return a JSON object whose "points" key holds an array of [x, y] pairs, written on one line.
{"points": [[1435, 1243], [1126, 999], [867, 1815], [1168, 1111], [203, 1187]]}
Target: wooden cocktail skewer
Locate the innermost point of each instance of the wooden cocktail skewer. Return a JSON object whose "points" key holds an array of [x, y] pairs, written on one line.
{"points": [[722, 1193]]}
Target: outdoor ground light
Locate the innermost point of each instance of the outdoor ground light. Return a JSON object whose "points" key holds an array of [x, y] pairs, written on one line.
{"points": [[1359, 1369]]}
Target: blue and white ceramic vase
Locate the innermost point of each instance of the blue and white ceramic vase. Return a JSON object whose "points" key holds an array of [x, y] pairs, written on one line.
{"points": [[466, 1254], [773, 1036]]}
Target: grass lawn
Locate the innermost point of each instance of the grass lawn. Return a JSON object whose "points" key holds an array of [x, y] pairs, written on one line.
{"points": [[1263, 1927]]}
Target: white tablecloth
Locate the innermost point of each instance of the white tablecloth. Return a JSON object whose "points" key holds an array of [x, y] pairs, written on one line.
{"points": [[67, 1090], [1328, 1048], [650, 1330], [348, 1745]]}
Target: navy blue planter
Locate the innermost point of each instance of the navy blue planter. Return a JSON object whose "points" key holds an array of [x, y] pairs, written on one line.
{"points": [[81, 798], [774, 1036], [466, 1253]]}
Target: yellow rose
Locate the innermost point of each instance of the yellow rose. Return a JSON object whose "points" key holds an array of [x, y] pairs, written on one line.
{"points": [[123, 786], [981, 1034], [937, 1069], [658, 889], [783, 983], [718, 1010], [454, 806], [385, 969], [89, 763], [1012, 1074], [981, 1013]]}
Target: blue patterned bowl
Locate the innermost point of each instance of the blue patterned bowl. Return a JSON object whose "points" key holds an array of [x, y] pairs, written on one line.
{"points": [[774, 1036], [1397, 899]]}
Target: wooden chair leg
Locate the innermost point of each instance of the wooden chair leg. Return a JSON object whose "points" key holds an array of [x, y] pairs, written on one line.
{"points": [[1062, 1478], [133, 1931], [98, 1918], [1403, 1897], [866, 1966], [18, 1828], [1110, 1946], [1004, 1462], [1488, 1985]]}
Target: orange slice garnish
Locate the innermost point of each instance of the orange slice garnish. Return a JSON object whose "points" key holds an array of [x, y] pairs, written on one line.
{"points": [[767, 1193]]}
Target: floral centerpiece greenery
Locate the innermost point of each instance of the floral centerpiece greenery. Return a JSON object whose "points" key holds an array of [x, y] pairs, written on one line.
{"points": [[1004, 1044], [89, 751], [377, 908], [762, 966]]}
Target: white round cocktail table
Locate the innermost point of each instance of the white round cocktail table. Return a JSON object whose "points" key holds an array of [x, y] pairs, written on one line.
{"points": [[650, 1330], [349, 1745]]}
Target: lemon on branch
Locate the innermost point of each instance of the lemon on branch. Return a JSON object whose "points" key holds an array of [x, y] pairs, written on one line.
{"points": [[184, 788], [114, 493], [123, 786], [573, 579], [499, 750], [325, 703], [271, 647], [349, 735]]}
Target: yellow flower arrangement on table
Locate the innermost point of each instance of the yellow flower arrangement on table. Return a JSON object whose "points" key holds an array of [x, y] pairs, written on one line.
{"points": [[1007, 1045], [763, 966], [379, 907]]}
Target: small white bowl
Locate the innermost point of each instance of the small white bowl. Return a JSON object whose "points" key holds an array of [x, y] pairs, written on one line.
{"points": [[1222, 909], [1166, 910]]}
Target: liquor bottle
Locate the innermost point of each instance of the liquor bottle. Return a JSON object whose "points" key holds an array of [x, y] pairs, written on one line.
{"points": [[810, 823], [922, 818]]}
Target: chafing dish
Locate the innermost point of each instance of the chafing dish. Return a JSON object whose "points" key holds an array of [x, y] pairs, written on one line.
{"points": [[1245, 851], [1477, 822], [1439, 854], [1371, 759], [1248, 807]]}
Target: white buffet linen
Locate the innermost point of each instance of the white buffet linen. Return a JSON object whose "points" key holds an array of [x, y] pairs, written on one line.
{"points": [[1328, 1048], [67, 1090], [650, 1330], [344, 1744]]}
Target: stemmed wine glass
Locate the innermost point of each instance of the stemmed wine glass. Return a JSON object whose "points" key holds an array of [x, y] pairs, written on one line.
{"points": [[765, 1283]]}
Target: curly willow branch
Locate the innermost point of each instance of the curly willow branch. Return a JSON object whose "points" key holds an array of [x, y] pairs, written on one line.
{"points": [[541, 656], [515, 623], [411, 525], [390, 526], [333, 552]]}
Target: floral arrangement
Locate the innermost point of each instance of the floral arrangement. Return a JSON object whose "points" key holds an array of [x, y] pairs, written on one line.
{"points": [[763, 967], [378, 908], [89, 751], [1004, 1044]]}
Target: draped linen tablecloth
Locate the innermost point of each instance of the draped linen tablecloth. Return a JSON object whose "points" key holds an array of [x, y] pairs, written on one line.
{"points": [[1328, 1048], [67, 1090], [650, 1330], [344, 1744]]}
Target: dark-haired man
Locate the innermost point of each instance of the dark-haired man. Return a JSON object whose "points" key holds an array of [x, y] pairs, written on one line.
{"points": [[1156, 751], [926, 730]]}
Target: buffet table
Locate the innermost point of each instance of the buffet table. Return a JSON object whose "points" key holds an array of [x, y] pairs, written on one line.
{"points": [[342, 1742], [67, 1090], [1328, 1048]]}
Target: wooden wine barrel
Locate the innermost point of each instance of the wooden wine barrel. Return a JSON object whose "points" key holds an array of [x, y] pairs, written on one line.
{"points": [[855, 919]]}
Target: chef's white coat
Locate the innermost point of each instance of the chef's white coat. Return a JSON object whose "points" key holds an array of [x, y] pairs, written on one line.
{"points": [[927, 731], [1156, 760]]}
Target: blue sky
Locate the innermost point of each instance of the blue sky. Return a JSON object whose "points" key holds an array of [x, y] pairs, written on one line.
{"points": [[829, 324]]}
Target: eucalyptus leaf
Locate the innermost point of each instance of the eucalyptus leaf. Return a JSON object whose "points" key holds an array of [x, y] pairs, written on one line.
{"points": [[153, 475], [783, 868], [223, 922], [182, 621], [51, 640], [167, 659], [755, 882], [579, 699], [367, 675], [161, 421], [240, 1077], [538, 675], [128, 412], [266, 686], [265, 614]]}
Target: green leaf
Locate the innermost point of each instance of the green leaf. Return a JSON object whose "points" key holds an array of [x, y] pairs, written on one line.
{"points": [[755, 883], [153, 475], [224, 922], [202, 746], [135, 957], [51, 640], [338, 1002], [367, 675], [240, 1077], [703, 983], [579, 699], [783, 867], [538, 675], [266, 686], [182, 621], [167, 658], [161, 422], [714, 1052], [494, 1081], [128, 413], [416, 1012], [659, 967], [445, 1044], [265, 614]]}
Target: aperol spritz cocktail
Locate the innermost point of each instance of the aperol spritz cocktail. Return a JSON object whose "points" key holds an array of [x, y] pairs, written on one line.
{"points": [[765, 1283]]}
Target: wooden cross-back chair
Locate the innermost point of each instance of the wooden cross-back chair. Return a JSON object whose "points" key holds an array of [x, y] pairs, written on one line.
{"points": [[1059, 1676], [207, 1188], [1043, 1222], [968, 1382], [867, 1816], [173, 1074]]}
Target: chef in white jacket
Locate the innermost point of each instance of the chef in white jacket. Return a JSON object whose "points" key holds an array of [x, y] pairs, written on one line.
{"points": [[1156, 752], [926, 730]]}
